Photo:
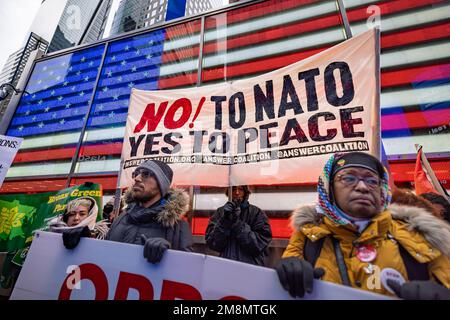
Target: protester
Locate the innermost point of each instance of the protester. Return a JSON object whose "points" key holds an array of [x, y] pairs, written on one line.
{"points": [[108, 209], [240, 231], [79, 219], [440, 203], [153, 216], [350, 237]]}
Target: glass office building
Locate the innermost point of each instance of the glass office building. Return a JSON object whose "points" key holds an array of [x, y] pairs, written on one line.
{"points": [[82, 21]]}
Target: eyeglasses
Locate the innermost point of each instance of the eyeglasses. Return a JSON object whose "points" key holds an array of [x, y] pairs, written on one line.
{"points": [[351, 180], [143, 172]]}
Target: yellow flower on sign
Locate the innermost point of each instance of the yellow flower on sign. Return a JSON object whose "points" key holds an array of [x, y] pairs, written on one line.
{"points": [[4, 221], [10, 219]]}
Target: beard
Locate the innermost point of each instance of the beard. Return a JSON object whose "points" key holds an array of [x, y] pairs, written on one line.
{"points": [[144, 196]]}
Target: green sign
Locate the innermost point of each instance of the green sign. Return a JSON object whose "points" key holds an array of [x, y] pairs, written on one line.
{"points": [[22, 214]]}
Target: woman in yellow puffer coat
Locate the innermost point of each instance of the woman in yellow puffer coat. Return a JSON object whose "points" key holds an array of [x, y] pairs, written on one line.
{"points": [[360, 241]]}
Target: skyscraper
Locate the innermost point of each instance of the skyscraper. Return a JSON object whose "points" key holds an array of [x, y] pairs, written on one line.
{"points": [[137, 14], [10, 66], [16, 62], [82, 21]]}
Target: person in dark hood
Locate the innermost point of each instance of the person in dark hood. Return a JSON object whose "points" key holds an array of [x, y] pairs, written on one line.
{"points": [[108, 208], [153, 216], [354, 236], [240, 231]]}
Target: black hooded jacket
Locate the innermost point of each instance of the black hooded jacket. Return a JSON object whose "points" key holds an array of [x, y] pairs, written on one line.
{"points": [[161, 220], [248, 238]]}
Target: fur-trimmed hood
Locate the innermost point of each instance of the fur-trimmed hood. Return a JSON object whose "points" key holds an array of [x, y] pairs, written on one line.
{"points": [[433, 229], [98, 228], [176, 206]]}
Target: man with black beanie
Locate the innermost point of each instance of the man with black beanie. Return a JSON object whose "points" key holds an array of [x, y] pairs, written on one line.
{"points": [[240, 231], [153, 216]]}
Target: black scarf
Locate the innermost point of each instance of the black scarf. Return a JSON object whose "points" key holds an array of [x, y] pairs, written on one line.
{"points": [[138, 214]]}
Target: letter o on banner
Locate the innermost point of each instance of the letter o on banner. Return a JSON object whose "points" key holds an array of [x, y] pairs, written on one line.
{"points": [[348, 89], [169, 119], [91, 272]]}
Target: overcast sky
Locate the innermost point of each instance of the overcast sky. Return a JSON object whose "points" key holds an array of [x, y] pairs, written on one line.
{"points": [[16, 17]]}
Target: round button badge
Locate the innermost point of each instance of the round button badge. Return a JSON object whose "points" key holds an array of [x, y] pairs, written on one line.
{"points": [[366, 253]]}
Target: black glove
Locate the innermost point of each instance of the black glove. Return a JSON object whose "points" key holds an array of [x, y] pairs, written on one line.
{"points": [[154, 248], [107, 209], [231, 212], [296, 275], [419, 290], [72, 237]]}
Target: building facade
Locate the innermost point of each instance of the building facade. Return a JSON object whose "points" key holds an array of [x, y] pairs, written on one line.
{"points": [[73, 120], [10, 66], [82, 21], [16, 63], [137, 14]]}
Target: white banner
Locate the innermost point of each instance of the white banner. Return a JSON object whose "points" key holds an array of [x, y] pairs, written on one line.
{"points": [[277, 128], [99, 269], [8, 150]]}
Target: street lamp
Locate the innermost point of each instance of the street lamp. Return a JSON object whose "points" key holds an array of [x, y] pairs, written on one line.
{"points": [[4, 92]]}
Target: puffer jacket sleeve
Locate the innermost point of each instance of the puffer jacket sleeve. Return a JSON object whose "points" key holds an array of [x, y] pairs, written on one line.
{"points": [[186, 240], [217, 235], [295, 245], [440, 270], [256, 237], [114, 232]]}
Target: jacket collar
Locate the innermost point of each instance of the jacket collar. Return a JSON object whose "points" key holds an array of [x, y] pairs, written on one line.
{"points": [[176, 206], [377, 228]]}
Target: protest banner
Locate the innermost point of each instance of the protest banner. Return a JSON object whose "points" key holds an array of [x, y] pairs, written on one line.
{"points": [[277, 128], [8, 150], [101, 270]]}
